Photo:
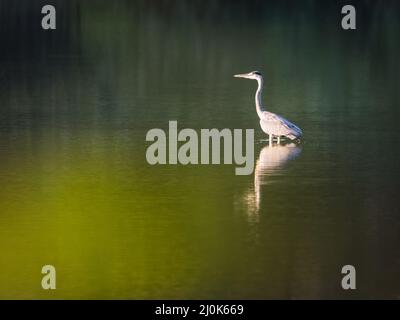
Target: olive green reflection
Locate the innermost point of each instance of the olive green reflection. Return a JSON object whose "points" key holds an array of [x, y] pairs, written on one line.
{"points": [[76, 191]]}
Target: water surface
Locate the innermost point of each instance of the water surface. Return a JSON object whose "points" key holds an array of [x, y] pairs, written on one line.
{"points": [[76, 190]]}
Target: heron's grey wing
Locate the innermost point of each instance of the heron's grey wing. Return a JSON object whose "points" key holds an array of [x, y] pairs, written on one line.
{"points": [[278, 125]]}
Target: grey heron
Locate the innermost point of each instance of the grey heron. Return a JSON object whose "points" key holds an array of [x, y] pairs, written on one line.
{"points": [[271, 123]]}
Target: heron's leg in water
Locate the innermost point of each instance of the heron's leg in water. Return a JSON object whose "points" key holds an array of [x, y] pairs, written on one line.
{"points": [[270, 139], [279, 139]]}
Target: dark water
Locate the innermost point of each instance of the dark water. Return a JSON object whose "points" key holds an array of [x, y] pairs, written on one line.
{"points": [[76, 190]]}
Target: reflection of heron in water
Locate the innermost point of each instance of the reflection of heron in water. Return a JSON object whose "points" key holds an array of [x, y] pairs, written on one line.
{"points": [[271, 123], [270, 161]]}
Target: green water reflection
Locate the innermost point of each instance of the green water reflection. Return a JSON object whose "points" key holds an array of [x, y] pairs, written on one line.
{"points": [[76, 191]]}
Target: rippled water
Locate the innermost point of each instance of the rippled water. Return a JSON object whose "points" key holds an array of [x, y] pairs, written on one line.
{"points": [[76, 190]]}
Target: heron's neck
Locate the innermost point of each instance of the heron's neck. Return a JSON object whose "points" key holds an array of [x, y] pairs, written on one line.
{"points": [[259, 107]]}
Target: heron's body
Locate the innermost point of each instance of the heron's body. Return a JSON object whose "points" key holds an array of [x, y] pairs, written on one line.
{"points": [[271, 123]]}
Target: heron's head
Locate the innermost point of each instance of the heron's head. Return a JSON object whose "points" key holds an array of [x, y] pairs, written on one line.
{"points": [[254, 75]]}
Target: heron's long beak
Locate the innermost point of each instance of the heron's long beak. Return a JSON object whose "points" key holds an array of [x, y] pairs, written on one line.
{"points": [[242, 75]]}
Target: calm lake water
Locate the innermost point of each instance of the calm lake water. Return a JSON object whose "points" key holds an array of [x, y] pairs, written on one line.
{"points": [[76, 191]]}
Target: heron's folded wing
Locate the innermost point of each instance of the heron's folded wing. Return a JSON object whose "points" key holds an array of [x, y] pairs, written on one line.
{"points": [[286, 127]]}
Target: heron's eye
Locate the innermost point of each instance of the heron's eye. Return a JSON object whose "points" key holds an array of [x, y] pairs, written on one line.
{"points": [[257, 73]]}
